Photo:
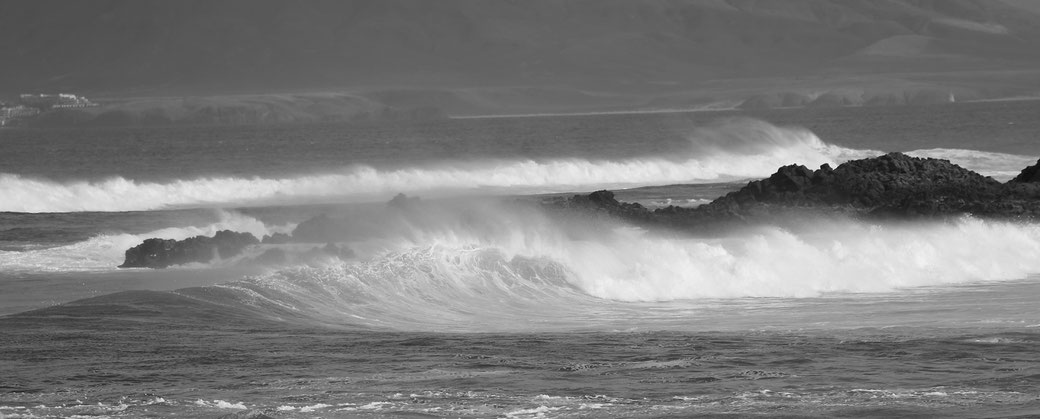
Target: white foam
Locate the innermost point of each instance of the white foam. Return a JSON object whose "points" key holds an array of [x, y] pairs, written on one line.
{"points": [[221, 404], [313, 407], [106, 251], [740, 149], [772, 262], [1001, 166], [513, 268]]}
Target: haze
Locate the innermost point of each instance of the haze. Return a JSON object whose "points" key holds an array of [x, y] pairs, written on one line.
{"points": [[497, 56]]}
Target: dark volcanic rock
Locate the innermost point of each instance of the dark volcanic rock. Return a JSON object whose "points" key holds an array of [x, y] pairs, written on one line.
{"points": [[160, 253], [604, 202], [893, 185], [1030, 174]]}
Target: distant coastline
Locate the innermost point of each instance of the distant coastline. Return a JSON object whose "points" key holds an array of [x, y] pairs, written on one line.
{"points": [[707, 109], [420, 105]]}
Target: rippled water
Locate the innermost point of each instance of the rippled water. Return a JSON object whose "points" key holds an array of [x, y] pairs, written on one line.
{"points": [[927, 354], [475, 303]]}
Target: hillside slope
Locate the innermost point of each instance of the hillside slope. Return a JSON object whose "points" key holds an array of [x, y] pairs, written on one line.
{"points": [[192, 46]]}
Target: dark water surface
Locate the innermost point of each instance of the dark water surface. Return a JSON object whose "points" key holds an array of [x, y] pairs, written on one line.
{"points": [[149, 153], [136, 363], [475, 304]]}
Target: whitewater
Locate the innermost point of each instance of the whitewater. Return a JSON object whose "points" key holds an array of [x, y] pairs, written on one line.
{"points": [[474, 300], [739, 149]]}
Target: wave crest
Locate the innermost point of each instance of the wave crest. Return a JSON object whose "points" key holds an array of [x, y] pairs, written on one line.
{"points": [[549, 276], [735, 150], [104, 252]]}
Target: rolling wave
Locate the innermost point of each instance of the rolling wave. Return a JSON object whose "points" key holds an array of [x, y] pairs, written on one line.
{"points": [[488, 265], [737, 150], [554, 275]]}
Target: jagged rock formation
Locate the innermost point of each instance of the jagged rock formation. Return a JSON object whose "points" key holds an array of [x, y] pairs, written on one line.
{"points": [[277, 248], [160, 253], [604, 202], [893, 184], [890, 186], [1030, 174]]}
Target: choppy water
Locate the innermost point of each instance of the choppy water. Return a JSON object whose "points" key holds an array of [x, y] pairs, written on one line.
{"points": [[475, 303]]}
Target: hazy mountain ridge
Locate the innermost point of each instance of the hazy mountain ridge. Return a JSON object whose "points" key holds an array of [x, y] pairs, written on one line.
{"points": [[645, 49]]}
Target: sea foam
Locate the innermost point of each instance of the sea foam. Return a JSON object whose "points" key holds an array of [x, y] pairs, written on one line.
{"points": [[1001, 166], [492, 272], [735, 150], [106, 251]]}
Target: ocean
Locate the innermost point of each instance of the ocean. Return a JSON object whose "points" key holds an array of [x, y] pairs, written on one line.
{"points": [[473, 301]]}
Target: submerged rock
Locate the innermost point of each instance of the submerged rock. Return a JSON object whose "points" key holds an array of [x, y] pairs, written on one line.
{"points": [[162, 253]]}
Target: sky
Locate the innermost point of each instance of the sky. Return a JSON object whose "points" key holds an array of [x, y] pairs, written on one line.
{"points": [[652, 48]]}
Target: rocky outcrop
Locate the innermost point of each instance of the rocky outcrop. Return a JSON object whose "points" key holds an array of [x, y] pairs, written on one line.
{"points": [[162, 253], [890, 186], [893, 184], [275, 249], [603, 202], [1030, 174]]}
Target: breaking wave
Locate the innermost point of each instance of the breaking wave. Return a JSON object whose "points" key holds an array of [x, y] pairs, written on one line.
{"points": [[487, 265], [1000, 166], [736, 150], [104, 252], [525, 270]]}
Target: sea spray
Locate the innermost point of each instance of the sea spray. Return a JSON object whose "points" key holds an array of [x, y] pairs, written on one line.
{"points": [[738, 149], [503, 267], [1000, 166], [105, 251]]}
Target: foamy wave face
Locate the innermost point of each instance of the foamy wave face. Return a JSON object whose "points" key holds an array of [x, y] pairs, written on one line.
{"points": [[449, 288], [772, 262], [739, 149], [106, 251], [496, 267]]}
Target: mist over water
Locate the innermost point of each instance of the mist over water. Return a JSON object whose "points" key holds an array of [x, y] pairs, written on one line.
{"points": [[727, 150], [497, 265], [474, 301], [104, 251], [736, 149]]}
